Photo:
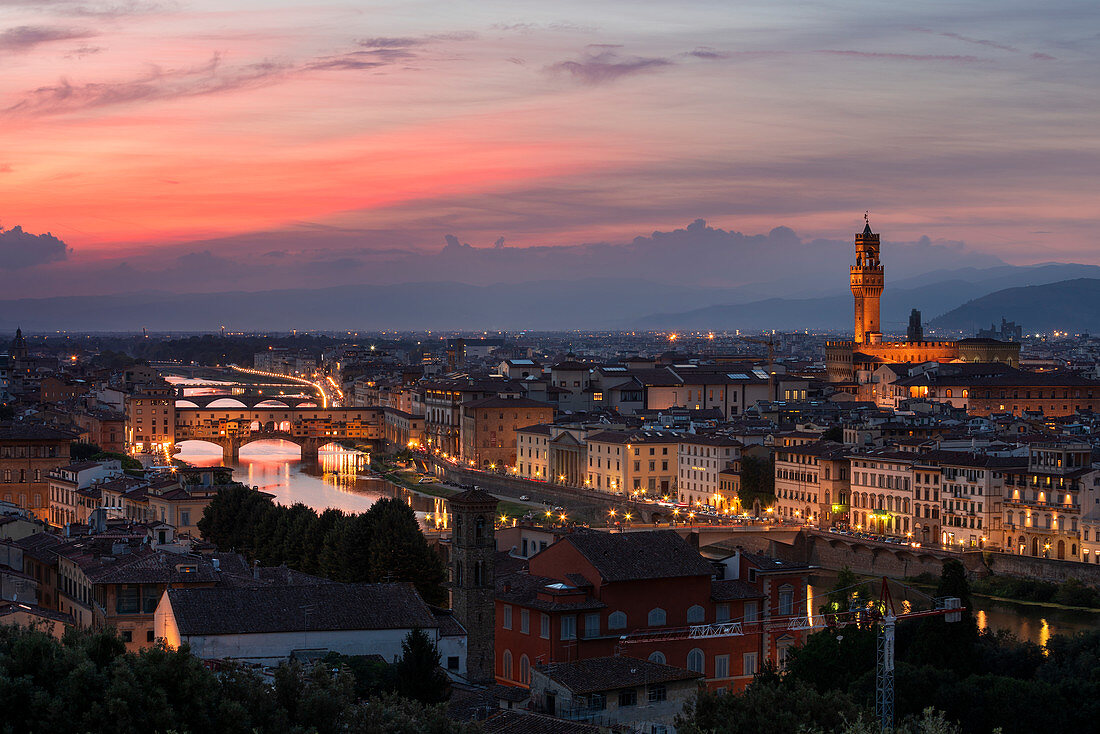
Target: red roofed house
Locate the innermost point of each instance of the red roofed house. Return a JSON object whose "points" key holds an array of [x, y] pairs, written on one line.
{"points": [[647, 595]]}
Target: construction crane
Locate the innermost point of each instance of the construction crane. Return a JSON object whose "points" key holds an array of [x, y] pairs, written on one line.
{"points": [[883, 615]]}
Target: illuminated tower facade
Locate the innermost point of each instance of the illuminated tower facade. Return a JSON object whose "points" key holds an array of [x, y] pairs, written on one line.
{"points": [[868, 280]]}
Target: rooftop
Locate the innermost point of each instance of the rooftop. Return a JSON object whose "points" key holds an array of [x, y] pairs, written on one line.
{"points": [[312, 608], [610, 673], [655, 554]]}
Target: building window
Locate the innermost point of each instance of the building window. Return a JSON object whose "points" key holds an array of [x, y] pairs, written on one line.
{"points": [[507, 617], [592, 625], [128, 601], [616, 621], [569, 627], [722, 666], [748, 663], [722, 612], [628, 697], [507, 664], [524, 669], [696, 661], [656, 617], [752, 611], [657, 693], [524, 621], [127, 635], [452, 662], [786, 600], [657, 657], [544, 631], [696, 615]]}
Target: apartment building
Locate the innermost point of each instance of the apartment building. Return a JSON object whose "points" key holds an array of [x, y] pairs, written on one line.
{"points": [[628, 462], [490, 425], [1042, 501], [701, 458], [812, 482], [882, 492], [28, 453]]}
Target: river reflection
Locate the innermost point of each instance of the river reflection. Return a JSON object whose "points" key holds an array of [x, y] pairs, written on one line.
{"points": [[1026, 621], [338, 478]]}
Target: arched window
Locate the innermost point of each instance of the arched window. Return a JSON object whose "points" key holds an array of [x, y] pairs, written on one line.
{"points": [[696, 660], [656, 617], [524, 669], [507, 664], [616, 621], [696, 615], [479, 527], [657, 657]]}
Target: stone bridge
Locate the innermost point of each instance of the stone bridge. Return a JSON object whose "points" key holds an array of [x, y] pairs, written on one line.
{"points": [[310, 428], [246, 401]]}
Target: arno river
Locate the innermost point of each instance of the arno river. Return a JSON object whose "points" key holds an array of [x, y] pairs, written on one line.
{"points": [[338, 479]]}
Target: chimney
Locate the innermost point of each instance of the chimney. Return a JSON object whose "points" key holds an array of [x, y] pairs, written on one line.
{"points": [[256, 570], [217, 564]]}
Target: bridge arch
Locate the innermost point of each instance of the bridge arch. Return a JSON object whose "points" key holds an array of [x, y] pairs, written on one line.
{"points": [[281, 446], [225, 403], [269, 403], [186, 404]]}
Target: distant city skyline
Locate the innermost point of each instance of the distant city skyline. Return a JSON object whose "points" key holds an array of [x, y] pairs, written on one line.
{"points": [[284, 141]]}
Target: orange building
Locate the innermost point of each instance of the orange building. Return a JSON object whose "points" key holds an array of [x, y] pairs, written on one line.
{"points": [[28, 453], [489, 427]]}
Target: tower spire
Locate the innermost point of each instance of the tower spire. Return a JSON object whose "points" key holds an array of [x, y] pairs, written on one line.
{"points": [[867, 223]]}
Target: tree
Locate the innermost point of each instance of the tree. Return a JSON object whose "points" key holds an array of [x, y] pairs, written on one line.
{"points": [[399, 551], [845, 592], [757, 480], [417, 672], [769, 707]]}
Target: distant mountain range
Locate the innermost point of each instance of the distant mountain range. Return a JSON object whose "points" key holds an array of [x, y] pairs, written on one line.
{"points": [[1041, 298], [932, 294], [1068, 305]]}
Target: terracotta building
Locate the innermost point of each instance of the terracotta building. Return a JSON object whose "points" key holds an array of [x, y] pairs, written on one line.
{"points": [[643, 594], [28, 453], [489, 427]]}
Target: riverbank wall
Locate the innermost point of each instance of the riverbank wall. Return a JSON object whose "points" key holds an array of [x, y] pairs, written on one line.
{"points": [[871, 558], [580, 503]]}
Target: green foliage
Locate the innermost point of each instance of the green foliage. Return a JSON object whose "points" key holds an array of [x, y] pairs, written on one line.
{"points": [[846, 593], [769, 706], [88, 684], [757, 480], [372, 677], [1070, 592], [834, 433], [382, 544], [91, 452], [418, 674], [975, 682]]}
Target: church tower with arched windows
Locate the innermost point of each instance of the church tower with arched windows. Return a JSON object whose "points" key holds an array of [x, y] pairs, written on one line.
{"points": [[473, 592]]}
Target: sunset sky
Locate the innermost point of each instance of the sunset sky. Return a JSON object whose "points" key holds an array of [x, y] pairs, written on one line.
{"points": [[145, 133]]}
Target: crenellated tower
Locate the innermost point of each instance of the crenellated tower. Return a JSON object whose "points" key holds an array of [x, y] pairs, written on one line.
{"points": [[868, 280]]}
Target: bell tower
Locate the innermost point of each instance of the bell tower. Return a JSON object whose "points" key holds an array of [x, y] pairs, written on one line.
{"points": [[868, 280], [473, 586]]}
